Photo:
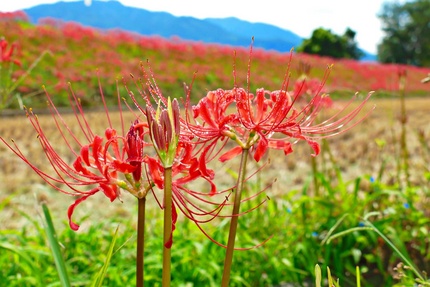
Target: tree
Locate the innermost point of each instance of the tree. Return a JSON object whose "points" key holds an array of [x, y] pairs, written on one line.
{"points": [[325, 43], [407, 29]]}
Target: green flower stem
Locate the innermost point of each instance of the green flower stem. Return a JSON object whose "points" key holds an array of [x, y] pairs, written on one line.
{"points": [[167, 226], [314, 166], [140, 242], [234, 219]]}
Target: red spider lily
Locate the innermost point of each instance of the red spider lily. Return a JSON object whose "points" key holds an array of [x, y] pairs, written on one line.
{"points": [[5, 54], [188, 167], [213, 112], [163, 135], [176, 150], [268, 119], [98, 163], [306, 86]]}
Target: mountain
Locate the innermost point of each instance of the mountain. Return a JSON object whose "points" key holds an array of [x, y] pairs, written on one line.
{"points": [[114, 15], [268, 36]]}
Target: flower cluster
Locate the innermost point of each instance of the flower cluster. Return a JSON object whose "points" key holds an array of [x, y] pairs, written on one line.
{"points": [[268, 119], [99, 162], [124, 161], [135, 161]]}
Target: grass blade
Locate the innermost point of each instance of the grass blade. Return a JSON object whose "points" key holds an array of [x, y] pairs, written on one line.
{"points": [[55, 247], [357, 275], [98, 280], [330, 279], [317, 276], [401, 255]]}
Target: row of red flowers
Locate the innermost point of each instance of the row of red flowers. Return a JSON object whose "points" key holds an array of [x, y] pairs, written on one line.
{"points": [[110, 52]]}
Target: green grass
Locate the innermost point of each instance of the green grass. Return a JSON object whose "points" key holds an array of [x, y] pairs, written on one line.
{"points": [[301, 226]]}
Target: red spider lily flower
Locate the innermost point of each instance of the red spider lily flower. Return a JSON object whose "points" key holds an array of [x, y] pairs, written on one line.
{"points": [[98, 164], [216, 121], [175, 149], [168, 129], [269, 119], [5, 54], [189, 166], [306, 86]]}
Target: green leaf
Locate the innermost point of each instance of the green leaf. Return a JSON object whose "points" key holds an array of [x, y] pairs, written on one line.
{"points": [[99, 277], [317, 276], [55, 248]]}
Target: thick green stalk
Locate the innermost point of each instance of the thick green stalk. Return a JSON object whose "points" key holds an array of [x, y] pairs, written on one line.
{"points": [[140, 242], [234, 220], [166, 276]]}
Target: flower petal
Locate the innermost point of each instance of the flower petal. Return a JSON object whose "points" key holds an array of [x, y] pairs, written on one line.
{"points": [[169, 242], [231, 154], [71, 208], [315, 146], [261, 148]]}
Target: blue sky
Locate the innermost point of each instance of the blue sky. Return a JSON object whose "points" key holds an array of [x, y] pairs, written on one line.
{"points": [[298, 16]]}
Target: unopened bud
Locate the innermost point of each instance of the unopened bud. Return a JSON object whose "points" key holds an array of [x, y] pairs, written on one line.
{"points": [[164, 129]]}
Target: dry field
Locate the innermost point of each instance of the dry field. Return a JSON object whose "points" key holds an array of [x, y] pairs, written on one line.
{"points": [[364, 150]]}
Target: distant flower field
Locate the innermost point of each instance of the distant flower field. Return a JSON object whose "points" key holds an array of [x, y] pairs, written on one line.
{"points": [[80, 55]]}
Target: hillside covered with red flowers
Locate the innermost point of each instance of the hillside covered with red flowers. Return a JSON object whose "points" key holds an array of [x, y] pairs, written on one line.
{"points": [[82, 55]]}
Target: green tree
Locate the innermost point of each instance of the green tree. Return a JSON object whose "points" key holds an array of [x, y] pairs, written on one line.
{"points": [[325, 43], [407, 29]]}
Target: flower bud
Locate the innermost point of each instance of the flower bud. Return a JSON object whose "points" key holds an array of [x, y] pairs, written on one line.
{"points": [[164, 129]]}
